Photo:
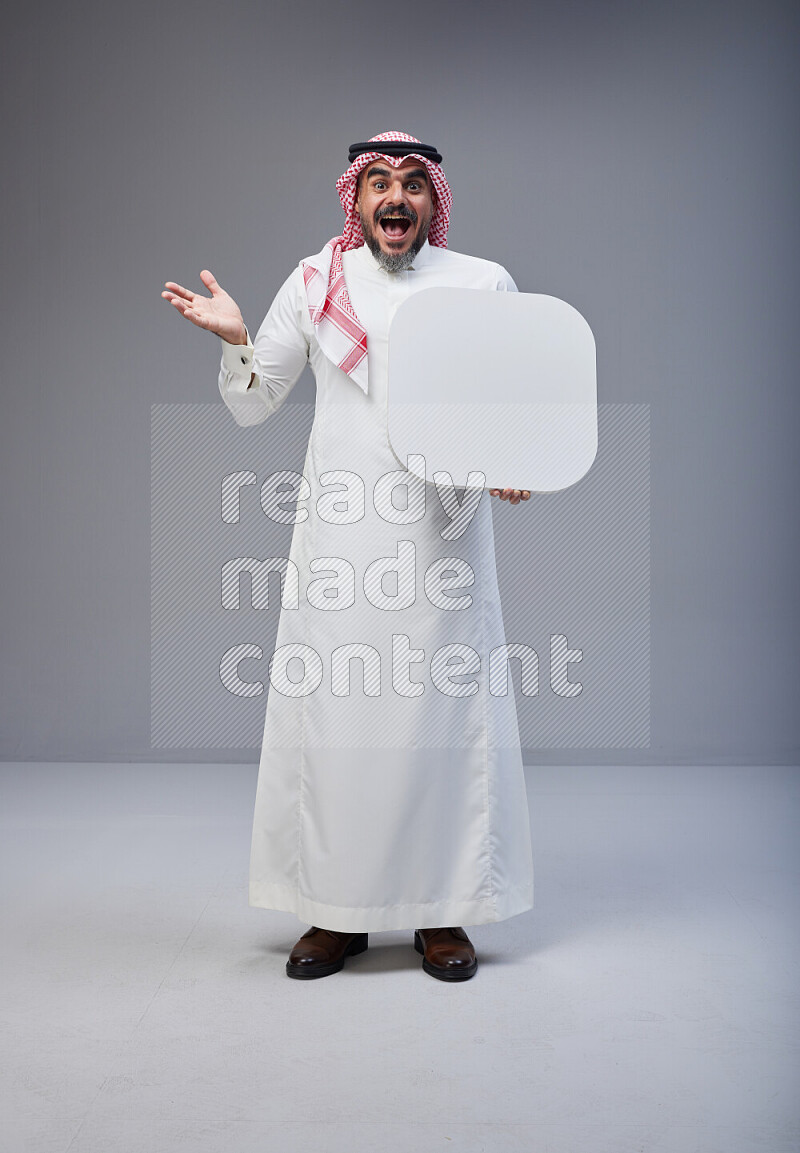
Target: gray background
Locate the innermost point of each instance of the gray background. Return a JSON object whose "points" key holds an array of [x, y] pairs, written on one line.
{"points": [[634, 159]]}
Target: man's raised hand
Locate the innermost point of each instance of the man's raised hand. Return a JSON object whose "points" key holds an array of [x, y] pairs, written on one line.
{"points": [[217, 313]]}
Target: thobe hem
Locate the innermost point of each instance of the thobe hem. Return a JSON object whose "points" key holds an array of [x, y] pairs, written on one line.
{"points": [[486, 910]]}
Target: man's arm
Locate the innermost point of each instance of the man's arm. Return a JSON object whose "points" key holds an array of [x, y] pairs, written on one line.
{"points": [[255, 377], [238, 357], [253, 381]]}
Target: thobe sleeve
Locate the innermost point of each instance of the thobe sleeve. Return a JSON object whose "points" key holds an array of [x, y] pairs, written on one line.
{"points": [[504, 282], [274, 361]]}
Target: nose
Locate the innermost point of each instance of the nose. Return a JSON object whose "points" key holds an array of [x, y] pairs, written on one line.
{"points": [[397, 192]]}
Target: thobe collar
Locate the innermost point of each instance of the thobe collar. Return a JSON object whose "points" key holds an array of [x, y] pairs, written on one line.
{"points": [[420, 260], [359, 373]]}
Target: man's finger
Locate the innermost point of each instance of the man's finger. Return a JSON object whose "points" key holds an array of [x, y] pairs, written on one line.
{"points": [[176, 302], [173, 299], [210, 283], [186, 310], [179, 290]]}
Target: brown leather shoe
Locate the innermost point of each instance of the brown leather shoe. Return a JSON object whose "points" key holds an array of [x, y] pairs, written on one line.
{"points": [[446, 953], [322, 951]]}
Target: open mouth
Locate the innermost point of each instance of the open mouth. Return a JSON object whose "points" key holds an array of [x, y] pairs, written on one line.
{"points": [[395, 227]]}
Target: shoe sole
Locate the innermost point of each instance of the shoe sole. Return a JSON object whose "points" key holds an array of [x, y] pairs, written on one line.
{"points": [[442, 974], [309, 973]]}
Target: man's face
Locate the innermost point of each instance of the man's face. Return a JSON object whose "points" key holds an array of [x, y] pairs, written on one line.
{"points": [[395, 206]]}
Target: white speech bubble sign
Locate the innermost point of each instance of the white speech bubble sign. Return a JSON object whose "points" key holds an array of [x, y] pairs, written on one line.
{"points": [[499, 383]]}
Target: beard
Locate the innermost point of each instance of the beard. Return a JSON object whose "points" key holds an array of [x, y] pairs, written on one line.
{"points": [[390, 261]]}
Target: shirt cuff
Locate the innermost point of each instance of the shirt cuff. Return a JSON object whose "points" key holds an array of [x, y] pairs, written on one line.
{"points": [[238, 358]]}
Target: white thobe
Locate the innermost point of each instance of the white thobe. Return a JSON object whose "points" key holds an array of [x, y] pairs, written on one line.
{"points": [[406, 808]]}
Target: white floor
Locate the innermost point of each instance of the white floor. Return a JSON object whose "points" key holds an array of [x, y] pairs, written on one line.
{"points": [[647, 1004]]}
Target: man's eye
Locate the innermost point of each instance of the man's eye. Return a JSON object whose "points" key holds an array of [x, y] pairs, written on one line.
{"points": [[378, 185]]}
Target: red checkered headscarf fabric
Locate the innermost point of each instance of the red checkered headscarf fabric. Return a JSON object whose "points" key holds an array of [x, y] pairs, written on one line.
{"points": [[339, 332], [346, 186]]}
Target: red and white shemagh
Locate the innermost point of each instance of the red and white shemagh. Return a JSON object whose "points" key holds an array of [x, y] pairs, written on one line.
{"points": [[339, 332]]}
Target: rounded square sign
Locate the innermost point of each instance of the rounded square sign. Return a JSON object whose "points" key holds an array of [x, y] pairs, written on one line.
{"points": [[499, 383]]}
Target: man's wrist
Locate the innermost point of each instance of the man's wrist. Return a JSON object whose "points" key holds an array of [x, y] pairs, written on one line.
{"points": [[238, 357]]}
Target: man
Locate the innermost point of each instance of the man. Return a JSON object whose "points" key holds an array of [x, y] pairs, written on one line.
{"points": [[397, 805]]}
